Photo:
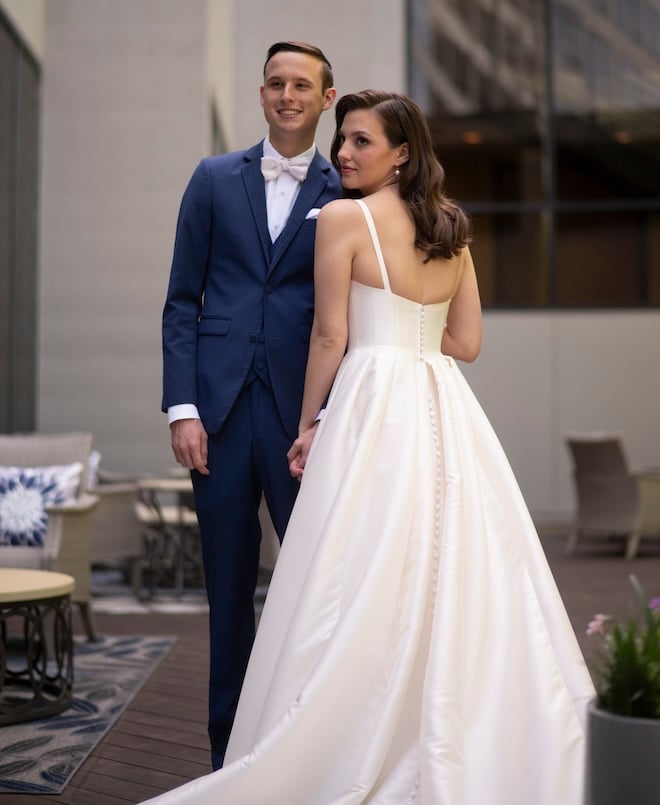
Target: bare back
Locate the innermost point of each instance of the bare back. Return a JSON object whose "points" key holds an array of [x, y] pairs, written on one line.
{"points": [[424, 283]]}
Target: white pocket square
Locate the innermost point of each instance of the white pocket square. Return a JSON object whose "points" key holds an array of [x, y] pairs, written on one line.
{"points": [[313, 213]]}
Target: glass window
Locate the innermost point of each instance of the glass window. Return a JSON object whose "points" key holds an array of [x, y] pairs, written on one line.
{"points": [[601, 259], [486, 27], [546, 117], [651, 29], [488, 161], [629, 18], [19, 89], [445, 51], [569, 39], [651, 244], [609, 156], [600, 59], [599, 5], [511, 258], [7, 81]]}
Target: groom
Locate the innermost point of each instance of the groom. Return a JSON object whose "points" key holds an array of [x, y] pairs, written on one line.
{"points": [[236, 328]]}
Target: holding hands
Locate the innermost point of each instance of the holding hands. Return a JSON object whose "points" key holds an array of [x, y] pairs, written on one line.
{"points": [[299, 451]]}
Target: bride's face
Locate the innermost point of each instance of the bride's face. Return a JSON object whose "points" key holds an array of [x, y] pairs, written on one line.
{"points": [[366, 158]]}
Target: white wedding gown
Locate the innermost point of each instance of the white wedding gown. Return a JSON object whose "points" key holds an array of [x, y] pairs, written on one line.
{"points": [[413, 647]]}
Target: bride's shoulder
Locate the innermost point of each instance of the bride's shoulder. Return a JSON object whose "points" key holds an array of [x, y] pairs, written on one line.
{"points": [[339, 211]]}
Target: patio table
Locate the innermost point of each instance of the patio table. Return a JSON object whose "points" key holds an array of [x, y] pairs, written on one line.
{"points": [[36, 644]]}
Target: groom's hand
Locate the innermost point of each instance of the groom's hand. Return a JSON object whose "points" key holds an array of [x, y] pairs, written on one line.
{"points": [[190, 444], [299, 451]]}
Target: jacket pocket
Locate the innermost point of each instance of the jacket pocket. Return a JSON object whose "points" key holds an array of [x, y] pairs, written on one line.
{"points": [[213, 326]]}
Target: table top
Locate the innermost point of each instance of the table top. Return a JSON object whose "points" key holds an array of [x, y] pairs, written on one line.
{"points": [[172, 484], [18, 584]]}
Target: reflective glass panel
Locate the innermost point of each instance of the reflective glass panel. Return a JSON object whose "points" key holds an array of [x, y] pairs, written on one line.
{"points": [[477, 71], [19, 116], [510, 255], [606, 83], [608, 259], [546, 117]]}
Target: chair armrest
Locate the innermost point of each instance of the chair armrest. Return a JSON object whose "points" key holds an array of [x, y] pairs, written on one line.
{"points": [[107, 490], [649, 494], [84, 503], [109, 477]]}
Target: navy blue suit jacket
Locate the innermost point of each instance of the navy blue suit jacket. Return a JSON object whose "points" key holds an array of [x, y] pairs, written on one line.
{"points": [[230, 286]]}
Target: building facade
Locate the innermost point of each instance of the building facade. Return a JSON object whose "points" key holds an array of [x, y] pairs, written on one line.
{"points": [[544, 113]]}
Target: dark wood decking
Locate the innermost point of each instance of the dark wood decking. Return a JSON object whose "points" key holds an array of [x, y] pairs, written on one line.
{"points": [[160, 740]]}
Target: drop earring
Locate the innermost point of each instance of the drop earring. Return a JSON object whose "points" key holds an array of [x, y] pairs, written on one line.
{"points": [[397, 172]]}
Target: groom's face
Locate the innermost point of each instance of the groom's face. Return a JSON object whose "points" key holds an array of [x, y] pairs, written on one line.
{"points": [[293, 99]]}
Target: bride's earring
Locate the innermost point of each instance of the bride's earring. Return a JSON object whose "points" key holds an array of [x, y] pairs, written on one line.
{"points": [[397, 172]]}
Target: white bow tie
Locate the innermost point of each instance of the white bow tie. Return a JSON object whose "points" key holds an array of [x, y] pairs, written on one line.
{"points": [[271, 167]]}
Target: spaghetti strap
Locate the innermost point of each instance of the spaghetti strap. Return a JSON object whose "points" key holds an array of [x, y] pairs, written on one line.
{"points": [[376, 243]]}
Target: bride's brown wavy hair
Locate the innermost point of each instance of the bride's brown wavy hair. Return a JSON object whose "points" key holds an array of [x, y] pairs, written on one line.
{"points": [[441, 227]]}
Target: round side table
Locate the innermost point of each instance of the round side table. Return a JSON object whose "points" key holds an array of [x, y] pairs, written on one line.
{"points": [[36, 644]]}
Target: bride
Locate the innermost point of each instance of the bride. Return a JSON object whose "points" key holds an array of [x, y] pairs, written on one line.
{"points": [[413, 647]]}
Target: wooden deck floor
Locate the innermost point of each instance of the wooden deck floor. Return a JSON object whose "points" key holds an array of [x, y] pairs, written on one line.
{"points": [[160, 741]]}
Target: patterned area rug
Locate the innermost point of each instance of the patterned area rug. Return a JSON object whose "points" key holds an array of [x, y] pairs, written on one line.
{"points": [[40, 757], [112, 596]]}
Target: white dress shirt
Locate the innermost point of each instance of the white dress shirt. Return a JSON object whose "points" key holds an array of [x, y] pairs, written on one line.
{"points": [[282, 192], [281, 195]]}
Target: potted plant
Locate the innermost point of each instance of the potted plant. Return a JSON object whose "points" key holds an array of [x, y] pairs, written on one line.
{"points": [[623, 747]]}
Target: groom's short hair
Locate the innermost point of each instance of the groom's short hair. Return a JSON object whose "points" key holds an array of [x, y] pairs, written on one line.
{"points": [[311, 50]]}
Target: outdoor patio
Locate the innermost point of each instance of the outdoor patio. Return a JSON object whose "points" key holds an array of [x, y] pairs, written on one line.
{"points": [[160, 740]]}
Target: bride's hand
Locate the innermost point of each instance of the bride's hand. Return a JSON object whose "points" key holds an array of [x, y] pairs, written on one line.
{"points": [[299, 451]]}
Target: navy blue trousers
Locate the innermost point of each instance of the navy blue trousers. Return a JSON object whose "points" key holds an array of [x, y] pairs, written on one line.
{"points": [[247, 457]]}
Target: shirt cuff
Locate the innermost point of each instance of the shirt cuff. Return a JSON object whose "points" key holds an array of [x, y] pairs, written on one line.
{"points": [[182, 411]]}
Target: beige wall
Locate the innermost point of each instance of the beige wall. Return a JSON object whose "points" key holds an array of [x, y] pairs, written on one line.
{"points": [[127, 88], [27, 16], [220, 53], [541, 375], [127, 92], [363, 41], [123, 127]]}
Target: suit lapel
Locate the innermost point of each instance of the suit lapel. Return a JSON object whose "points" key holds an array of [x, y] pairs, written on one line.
{"points": [[310, 190], [254, 186]]}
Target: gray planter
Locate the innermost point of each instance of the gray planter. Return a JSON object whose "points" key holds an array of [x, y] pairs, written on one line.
{"points": [[623, 759]]}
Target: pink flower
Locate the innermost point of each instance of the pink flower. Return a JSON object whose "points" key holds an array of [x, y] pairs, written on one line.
{"points": [[654, 603], [599, 625]]}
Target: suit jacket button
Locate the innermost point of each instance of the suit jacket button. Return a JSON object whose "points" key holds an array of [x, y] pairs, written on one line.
{"points": [[254, 338]]}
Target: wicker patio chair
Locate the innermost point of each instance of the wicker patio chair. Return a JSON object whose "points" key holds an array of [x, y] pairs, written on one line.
{"points": [[612, 501], [66, 545]]}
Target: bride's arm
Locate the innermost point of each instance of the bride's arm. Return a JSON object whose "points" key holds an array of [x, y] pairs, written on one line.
{"points": [[333, 259], [462, 336]]}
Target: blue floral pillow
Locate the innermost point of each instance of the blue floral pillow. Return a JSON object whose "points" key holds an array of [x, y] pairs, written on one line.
{"points": [[24, 495]]}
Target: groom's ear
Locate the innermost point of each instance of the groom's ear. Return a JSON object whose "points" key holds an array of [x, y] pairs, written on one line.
{"points": [[329, 97]]}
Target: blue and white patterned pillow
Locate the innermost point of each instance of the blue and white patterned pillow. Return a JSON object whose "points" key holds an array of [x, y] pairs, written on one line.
{"points": [[24, 495]]}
